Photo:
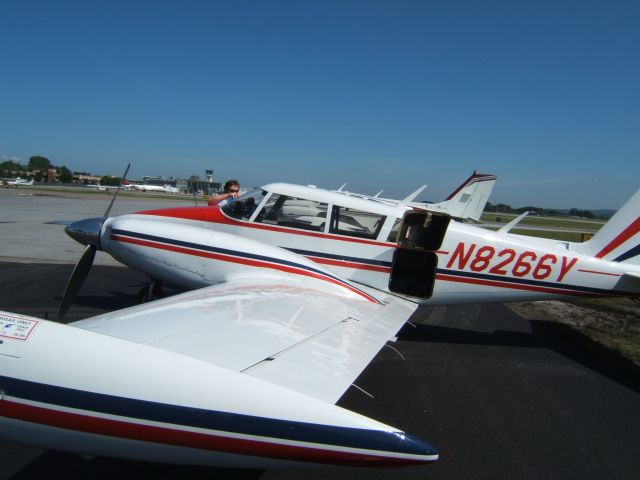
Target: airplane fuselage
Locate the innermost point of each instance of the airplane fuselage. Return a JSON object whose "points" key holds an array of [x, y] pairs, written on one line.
{"points": [[197, 246]]}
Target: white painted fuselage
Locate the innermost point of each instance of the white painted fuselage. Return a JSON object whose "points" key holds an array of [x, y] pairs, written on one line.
{"points": [[197, 246]]}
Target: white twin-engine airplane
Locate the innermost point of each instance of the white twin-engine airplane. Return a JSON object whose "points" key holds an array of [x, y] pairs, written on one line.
{"points": [[166, 188], [133, 186], [18, 182], [106, 188], [296, 289]]}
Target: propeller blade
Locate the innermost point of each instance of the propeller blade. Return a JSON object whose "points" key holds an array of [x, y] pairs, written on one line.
{"points": [[113, 199], [76, 280]]}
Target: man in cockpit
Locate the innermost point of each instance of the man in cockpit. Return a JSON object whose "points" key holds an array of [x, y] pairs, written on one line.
{"points": [[231, 190]]}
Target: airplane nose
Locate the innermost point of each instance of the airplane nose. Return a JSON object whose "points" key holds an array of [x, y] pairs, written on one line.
{"points": [[87, 231]]}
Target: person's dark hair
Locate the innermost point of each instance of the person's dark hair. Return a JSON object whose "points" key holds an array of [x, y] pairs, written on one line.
{"points": [[230, 183]]}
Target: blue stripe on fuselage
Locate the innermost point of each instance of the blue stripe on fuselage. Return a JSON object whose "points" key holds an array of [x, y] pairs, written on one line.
{"points": [[458, 273], [344, 258], [525, 282], [223, 251]]}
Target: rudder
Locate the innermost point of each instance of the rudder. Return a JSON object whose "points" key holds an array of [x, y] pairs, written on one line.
{"points": [[619, 239]]}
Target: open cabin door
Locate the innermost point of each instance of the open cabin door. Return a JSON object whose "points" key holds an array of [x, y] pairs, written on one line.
{"points": [[413, 271]]}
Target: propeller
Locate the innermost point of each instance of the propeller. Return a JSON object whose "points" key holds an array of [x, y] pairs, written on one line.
{"points": [[86, 232], [80, 272], [113, 199]]}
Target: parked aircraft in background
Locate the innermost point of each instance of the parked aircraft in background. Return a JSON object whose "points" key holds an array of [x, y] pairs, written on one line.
{"points": [[104, 188], [155, 188], [136, 186], [296, 289], [18, 182]]}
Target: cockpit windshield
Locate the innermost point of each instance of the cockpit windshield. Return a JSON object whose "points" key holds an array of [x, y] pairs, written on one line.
{"points": [[243, 207]]}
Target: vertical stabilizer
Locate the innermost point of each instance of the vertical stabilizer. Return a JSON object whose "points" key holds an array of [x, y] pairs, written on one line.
{"points": [[619, 239], [470, 198]]}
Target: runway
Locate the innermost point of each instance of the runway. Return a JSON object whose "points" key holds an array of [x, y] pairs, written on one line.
{"points": [[499, 396]]}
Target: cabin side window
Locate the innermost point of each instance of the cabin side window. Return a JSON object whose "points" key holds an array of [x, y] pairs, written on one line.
{"points": [[293, 212], [355, 223]]}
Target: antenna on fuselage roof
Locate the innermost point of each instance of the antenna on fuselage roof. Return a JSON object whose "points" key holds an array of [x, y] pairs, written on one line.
{"points": [[412, 197], [343, 185], [378, 194]]}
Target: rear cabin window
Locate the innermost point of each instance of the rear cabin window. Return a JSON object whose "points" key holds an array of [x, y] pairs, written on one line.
{"points": [[293, 212], [355, 223], [393, 234]]}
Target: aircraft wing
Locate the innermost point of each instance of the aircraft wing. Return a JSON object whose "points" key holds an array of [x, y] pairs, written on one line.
{"points": [[281, 330]]}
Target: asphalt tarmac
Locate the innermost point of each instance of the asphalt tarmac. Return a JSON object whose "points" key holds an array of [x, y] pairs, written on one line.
{"points": [[499, 396]]}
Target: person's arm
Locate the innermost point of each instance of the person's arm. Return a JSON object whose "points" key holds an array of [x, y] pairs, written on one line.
{"points": [[218, 198]]}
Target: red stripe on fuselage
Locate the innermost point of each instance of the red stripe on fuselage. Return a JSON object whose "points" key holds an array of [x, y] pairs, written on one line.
{"points": [[599, 273], [347, 264], [513, 286], [181, 438], [239, 260]]}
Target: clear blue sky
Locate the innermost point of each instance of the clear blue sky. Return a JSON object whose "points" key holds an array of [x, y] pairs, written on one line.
{"points": [[379, 94]]}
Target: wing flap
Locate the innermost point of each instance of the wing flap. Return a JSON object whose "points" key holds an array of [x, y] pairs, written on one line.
{"points": [[327, 364]]}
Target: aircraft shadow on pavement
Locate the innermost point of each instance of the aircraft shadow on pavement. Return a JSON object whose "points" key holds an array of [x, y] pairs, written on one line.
{"points": [[116, 299], [554, 336], [107, 301], [73, 467]]}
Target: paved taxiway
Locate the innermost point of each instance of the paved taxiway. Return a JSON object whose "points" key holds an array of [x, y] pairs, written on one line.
{"points": [[499, 396]]}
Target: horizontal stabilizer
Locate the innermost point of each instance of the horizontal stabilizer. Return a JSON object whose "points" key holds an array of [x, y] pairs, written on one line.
{"points": [[630, 282]]}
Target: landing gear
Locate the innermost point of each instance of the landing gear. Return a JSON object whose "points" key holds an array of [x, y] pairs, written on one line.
{"points": [[151, 292]]}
